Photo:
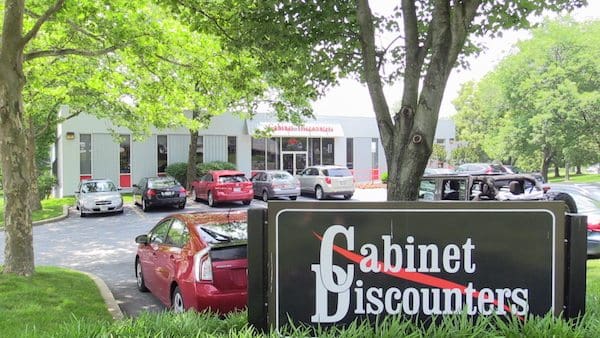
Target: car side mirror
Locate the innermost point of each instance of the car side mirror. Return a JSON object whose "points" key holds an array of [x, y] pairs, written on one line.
{"points": [[77, 191], [142, 239]]}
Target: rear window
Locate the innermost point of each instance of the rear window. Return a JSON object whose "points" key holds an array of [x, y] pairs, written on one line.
{"points": [[232, 179], [282, 176], [162, 183], [218, 254], [337, 172], [223, 232], [498, 168]]}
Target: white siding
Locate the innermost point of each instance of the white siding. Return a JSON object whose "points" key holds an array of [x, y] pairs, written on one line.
{"points": [[143, 159], [215, 148], [105, 157], [178, 146]]}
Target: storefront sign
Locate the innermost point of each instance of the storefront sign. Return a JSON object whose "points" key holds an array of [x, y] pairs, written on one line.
{"points": [[286, 129], [335, 262]]}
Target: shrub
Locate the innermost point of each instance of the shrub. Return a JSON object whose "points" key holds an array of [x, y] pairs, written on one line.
{"points": [[203, 168], [384, 177], [45, 184], [179, 171]]}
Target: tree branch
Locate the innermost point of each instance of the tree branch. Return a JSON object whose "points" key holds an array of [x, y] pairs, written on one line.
{"points": [[68, 51], [70, 22], [209, 17], [41, 20]]}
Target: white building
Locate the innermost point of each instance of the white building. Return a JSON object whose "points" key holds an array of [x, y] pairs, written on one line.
{"points": [[87, 147]]}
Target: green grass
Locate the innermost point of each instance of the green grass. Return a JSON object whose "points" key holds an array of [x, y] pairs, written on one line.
{"points": [[51, 207], [40, 305], [573, 178]]}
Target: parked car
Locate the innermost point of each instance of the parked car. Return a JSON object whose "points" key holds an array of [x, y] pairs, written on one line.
{"points": [[481, 168], [433, 171], [583, 199], [593, 169], [223, 186], [326, 181], [98, 196], [196, 261], [159, 191], [275, 183], [511, 169]]}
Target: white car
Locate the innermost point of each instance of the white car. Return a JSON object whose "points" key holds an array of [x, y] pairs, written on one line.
{"points": [[593, 169], [98, 196], [327, 180]]}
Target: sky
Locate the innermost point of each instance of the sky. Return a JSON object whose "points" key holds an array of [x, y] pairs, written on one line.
{"points": [[351, 98]]}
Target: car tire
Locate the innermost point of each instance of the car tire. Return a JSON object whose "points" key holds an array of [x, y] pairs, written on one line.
{"points": [[347, 196], [177, 304], [139, 276], [571, 206], [134, 200], [194, 196], [265, 196], [293, 198], [247, 202], [319, 192], [81, 213], [210, 199], [144, 205]]}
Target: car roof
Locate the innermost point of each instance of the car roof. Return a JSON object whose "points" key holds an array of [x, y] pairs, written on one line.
{"points": [[226, 172], [327, 166], [97, 180], [204, 217]]}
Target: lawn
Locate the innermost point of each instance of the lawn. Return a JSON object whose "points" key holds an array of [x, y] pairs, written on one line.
{"points": [[39, 305], [573, 178]]}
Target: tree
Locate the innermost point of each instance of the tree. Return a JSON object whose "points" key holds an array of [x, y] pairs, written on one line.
{"points": [[307, 46]]}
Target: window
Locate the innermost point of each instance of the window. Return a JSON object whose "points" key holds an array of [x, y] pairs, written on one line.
{"points": [[439, 141], [85, 154], [200, 149], [293, 144], [258, 154], [315, 151], [125, 154], [159, 233], [375, 152], [350, 153], [178, 234], [273, 145], [427, 190], [327, 151], [231, 149], [161, 153]]}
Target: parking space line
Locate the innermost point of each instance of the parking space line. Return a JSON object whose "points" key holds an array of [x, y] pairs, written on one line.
{"points": [[137, 211]]}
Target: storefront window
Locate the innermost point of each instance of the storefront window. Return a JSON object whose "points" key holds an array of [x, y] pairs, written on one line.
{"points": [[258, 154], [273, 153], [231, 150], [161, 153], [375, 152], [125, 154], [315, 151], [293, 144], [327, 151], [350, 153], [200, 149], [85, 154]]}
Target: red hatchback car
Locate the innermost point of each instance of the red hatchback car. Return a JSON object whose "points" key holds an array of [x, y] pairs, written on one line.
{"points": [[196, 261], [223, 186]]}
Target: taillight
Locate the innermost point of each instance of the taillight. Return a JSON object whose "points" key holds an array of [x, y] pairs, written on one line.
{"points": [[182, 192], [328, 180], [151, 192], [203, 266]]}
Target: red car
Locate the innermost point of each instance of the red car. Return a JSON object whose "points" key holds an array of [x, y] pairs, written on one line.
{"points": [[223, 186], [196, 261]]}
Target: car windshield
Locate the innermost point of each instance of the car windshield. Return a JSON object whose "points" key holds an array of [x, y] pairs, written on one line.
{"points": [[223, 232], [162, 183], [284, 175], [337, 172], [102, 186], [232, 179]]}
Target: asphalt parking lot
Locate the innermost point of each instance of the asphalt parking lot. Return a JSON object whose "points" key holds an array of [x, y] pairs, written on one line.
{"points": [[104, 245]]}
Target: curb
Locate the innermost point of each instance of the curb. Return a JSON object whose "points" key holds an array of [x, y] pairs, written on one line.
{"points": [[64, 215], [107, 295]]}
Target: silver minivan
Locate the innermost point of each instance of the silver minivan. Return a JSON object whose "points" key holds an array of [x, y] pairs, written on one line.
{"points": [[327, 180]]}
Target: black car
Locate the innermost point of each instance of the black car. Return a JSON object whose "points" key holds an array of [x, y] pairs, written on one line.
{"points": [[155, 191]]}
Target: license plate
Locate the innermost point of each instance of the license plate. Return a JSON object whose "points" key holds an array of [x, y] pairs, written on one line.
{"points": [[103, 208], [167, 193], [237, 189]]}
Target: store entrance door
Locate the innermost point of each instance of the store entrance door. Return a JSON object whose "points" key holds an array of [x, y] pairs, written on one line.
{"points": [[293, 162]]}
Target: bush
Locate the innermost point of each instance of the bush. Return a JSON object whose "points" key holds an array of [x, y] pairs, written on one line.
{"points": [[203, 168], [45, 184], [179, 171], [384, 178]]}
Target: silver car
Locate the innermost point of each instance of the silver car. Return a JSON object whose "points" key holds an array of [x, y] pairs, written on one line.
{"points": [[98, 196], [327, 180], [275, 183]]}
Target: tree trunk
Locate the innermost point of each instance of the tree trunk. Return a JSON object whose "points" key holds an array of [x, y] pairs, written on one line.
{"points": [[556, 170], [578, 171], [191, 167], [34, 196], [546, 160]]}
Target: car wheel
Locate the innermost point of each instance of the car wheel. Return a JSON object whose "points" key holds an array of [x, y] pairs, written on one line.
{"points": [[134, 200], [210, 199], [194, 196], [265, 196], [293, 198], [81, 213], [144, 205], [347, 196], [177, 301], [571, 206], [247, 202], [139, 276], [319, 192]]}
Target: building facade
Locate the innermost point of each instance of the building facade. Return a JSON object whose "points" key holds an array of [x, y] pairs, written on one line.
{"points": [[88, 147]]}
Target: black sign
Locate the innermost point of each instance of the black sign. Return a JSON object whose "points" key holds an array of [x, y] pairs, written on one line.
{"points": [[336, 262]]}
